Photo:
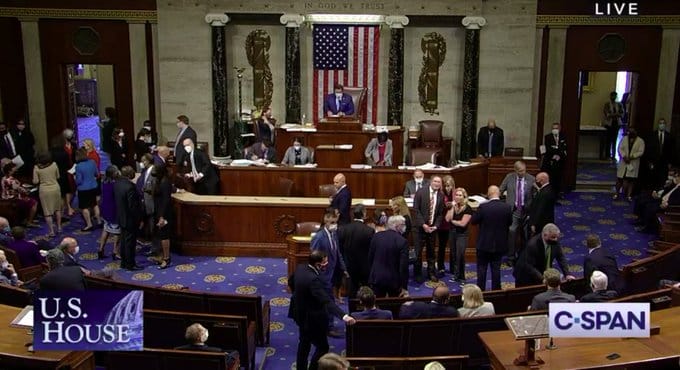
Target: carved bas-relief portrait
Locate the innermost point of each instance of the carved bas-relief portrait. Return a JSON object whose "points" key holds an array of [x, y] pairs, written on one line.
{"points": [[257, 52], [434, 52]]}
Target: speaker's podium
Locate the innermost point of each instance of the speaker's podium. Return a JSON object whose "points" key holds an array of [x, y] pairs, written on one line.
{"points": [[339, 123]]}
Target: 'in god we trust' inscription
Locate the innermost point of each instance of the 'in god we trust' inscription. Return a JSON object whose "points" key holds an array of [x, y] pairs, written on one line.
{"points": [[328, 5]]}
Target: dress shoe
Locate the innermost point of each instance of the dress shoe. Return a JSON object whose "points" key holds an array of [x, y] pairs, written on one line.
{"points": [[164, 264], [335, 334], [135, 268], [115, 257], [101, 255], [88, 228]]}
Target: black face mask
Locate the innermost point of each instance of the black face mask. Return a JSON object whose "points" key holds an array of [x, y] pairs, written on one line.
{"points": [[3, 132], [154, 174], [551, 242]]}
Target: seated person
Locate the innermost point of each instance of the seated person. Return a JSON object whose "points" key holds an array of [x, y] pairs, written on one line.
{"points": [[670, 198], [262, 150], [7, 273], [297, 154], [598, 283], [61, 277], [12, 189], [438, 307], [338, 104], [197, 335], [28, 251], [379, 151], [265, 125], [654, 197], [416, 183], [473, 302], [70, 248], [333, 361], [371, 312], [551, 278], [5, 232]]}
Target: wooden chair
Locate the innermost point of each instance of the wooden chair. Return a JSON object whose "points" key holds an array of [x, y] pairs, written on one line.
{"points": [[306, 228], [25, 273], [15, 297], [285, 187], [327, 190], [514, 152], [420, 156]]}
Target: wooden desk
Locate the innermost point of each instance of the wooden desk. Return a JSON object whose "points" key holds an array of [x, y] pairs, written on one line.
{"points": [[590, 352], [378, 183], [14, 355], [499, 167], [358, 139]]}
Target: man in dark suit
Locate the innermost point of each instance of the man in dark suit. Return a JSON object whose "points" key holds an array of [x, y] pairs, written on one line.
{"points": [[416, 183], [439, 306], [538, 255], [659, 153], [494, 218], [342, 199], [196, 334], [185, 132], [338, 103], [598, 285], [542, 209], [388, 260], [129, 213], [70, 248], [428, 204], [200, 170], [61, 277], [355, 241], [519, 188], [7, 146], [263, 150], [371, 312], [555, 156], [648, 218], [309, 307], [551, 278], [161, 156], [490, 141], [601, 259]]}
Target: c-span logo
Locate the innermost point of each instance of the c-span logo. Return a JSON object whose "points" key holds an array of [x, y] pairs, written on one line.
{"points": [[93, 320], [589, 320]]}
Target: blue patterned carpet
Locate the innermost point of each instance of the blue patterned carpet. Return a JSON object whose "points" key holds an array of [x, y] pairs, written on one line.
{"points": [[600, 171], [580, 214]]}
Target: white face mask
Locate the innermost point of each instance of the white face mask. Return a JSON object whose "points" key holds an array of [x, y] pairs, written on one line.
{"points": [[4, 265], [142, 165], [297, 146], [662, 126], [121, 135], [188, 148], [555, 131], [77, 250], [419, 181], [332, 227], [338, 95]]}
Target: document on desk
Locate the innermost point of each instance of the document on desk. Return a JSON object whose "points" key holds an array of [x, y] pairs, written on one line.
{"points": [[368, 202], [344, 146], [308, 165], [478, 198], [24, 319]]}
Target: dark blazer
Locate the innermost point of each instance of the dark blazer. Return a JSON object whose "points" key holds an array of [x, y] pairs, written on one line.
{"points": [[256, 149], [497, 144], [373, 314], [601, 259], [421, 205], [128, 204], [410, 187], [208, 184], [342, 201], [426, 310], [509, 185], [388, 260], [346, 104], [70, 260], [541, 300], [654, 153], [554, 148], [180, 153], [162, 200], [494, 218], [355, 241], [24, 142], [310, 303], [599, 296], [542, 210], [158, 161], [119, 154], [64, 278], [532, 261]]}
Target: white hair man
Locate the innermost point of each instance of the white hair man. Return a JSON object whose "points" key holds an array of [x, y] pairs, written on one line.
{"points": [[598, 283]]}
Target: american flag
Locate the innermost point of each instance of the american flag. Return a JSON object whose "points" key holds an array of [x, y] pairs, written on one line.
{"points": [[347, 55]]}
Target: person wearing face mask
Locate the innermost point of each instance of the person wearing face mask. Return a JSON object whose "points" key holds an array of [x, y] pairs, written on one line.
{"points": [[129, 211], [310, 308], [490, 141], [379, 151], [24, 142], [613, 112], [542, 209], [659, 154], [631, 149], [199, 170], [119, 150], [519, 189], [338, 104], [185, 132], [555, 156], [297, 154], [416, 183], [7, 145], [388, 260], [539, 254], [326, 241], [69, 246], [145, 185], [152, 138], [107, 126], [649, 219]]}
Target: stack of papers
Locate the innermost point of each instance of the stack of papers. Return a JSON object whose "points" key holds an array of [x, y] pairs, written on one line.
{"points": [[478, 198], [360, 167], [344, 146], [242, 162], [308, 165]]}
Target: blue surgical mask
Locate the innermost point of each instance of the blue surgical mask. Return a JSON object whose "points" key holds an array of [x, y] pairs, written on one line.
{"points": [[7, 229]]}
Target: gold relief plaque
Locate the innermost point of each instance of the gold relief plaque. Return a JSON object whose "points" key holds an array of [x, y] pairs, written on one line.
{"points": [[434, 52], [257, 51]]}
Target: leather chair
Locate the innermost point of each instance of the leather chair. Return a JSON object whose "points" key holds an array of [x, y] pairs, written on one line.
{"points": [[431, 133], [514, 152], [420, 156], [285, 187], [326, 190], [358, 95], [306, 228]]}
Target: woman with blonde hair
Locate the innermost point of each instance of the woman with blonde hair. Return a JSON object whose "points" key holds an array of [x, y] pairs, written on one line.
{"points": [[399, 208], [473, 303], [459, 216]]}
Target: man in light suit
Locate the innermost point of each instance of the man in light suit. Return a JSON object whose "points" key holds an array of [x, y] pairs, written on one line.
{"points": [[185, 132], [428, 204], [342, 199], [388, 260], [379, 151], [297, 154], [338, 103], [355, 240], [540, 253], [494, 218], [490, 141], [416, 183], [200, 170], [518, 186]]}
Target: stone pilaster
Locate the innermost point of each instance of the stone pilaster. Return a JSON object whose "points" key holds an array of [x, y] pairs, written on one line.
{"points": [[139, 73], [395, 79], [217, 22], [470, 86], [34, 81], [293, 87]]}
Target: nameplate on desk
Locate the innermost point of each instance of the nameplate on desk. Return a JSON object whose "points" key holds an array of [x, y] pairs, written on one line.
{"points": [[298, 238], [599, 320]]}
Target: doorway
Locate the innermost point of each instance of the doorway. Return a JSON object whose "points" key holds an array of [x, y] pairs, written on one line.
{"points": [[598, 138], [90, 90]]}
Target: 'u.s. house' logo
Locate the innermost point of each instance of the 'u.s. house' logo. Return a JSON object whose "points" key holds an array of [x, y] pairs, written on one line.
{"points": [[590, 320]]}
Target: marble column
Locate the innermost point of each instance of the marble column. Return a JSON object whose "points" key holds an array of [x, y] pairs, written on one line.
{"points": [[138, 73], [668, 60], [395, 79], [554, 80], [217, 22], [470, 86], [293, 86], [30, 35]]}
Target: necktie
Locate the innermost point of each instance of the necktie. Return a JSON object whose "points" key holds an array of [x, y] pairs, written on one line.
{"points": [[490, 143], [177, 143], [661, 139], [432, 201], [418, 186], [548, 260], [519, 201], [337, 102], [194, 172]]}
